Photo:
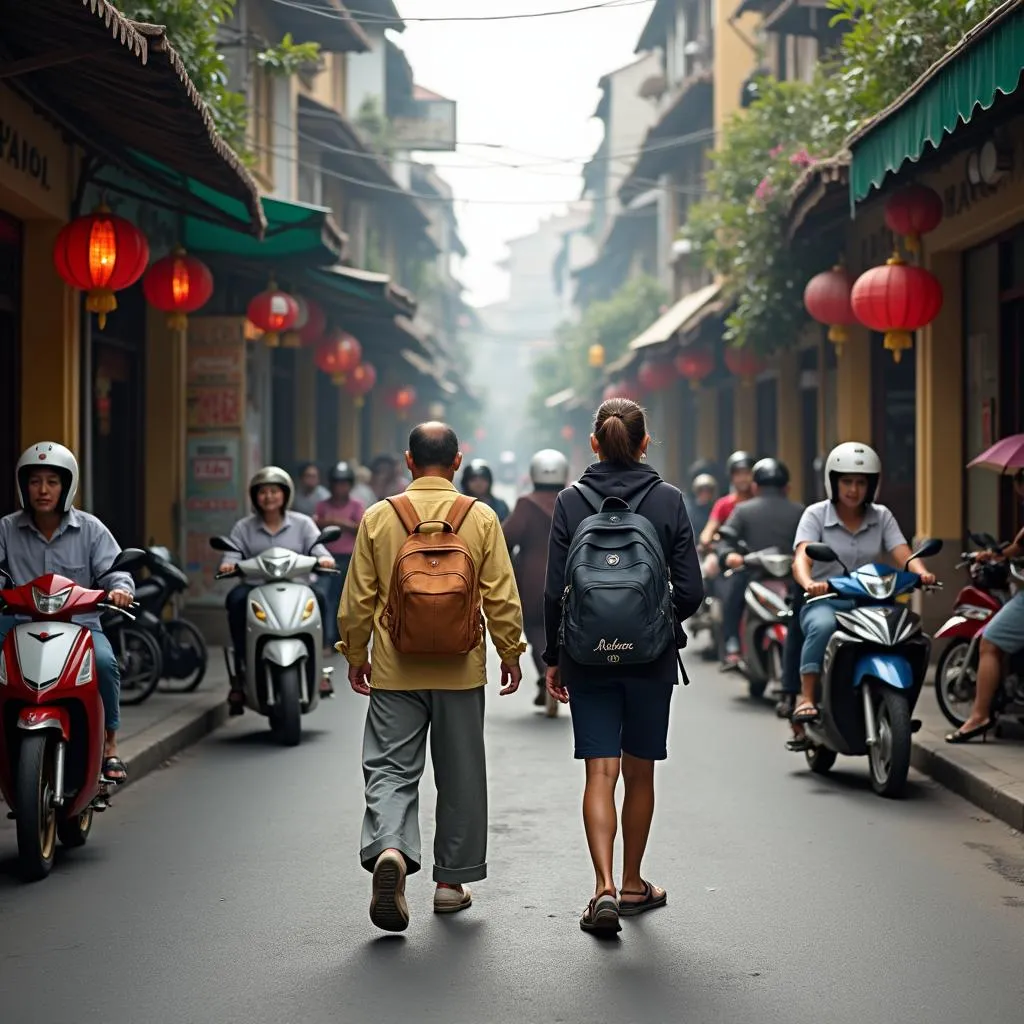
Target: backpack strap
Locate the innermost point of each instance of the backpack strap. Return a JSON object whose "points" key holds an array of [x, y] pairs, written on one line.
{"points": [[589, 495], [406, 512], [635, 505], [459, 510], [596, 500]]}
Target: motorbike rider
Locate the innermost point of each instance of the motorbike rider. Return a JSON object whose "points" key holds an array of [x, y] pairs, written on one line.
{"points": [[704, 490], [478, 482], [1003, 634], [527, 531], [49, 535], [768, 520], [859, 531], [740, 470], [272, 524]]}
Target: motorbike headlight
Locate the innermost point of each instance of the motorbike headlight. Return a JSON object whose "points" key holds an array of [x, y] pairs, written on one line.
{"points": [[879, 587], [309, 609], [85, 672], [257, 610], [50, 604]]}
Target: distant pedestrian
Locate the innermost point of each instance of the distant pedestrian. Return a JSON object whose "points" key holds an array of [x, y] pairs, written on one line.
{"points": [[613, 656], [310, 491], [421, 595], [386, 478], [362, 491]]}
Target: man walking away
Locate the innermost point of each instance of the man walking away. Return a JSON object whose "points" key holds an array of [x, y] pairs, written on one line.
{"points": [[420, 594]]}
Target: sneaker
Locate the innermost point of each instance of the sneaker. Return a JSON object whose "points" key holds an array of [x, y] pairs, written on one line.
{"points": [[388, 908], [450, 901]]}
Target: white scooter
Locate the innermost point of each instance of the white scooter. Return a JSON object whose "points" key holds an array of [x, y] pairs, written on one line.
{"points": [[283, 635]]}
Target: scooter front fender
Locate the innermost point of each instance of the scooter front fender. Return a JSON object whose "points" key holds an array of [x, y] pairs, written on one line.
{"points": [[891, 669], [34, 719], [284, 651], [959, 626]]}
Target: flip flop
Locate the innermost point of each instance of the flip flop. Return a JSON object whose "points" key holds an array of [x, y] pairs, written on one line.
{"points": [[114, 764], [651, 900], [601, 916], [805, 714]]}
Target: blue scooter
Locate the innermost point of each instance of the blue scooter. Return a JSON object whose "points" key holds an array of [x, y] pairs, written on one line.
{"points": [[873, 671]]}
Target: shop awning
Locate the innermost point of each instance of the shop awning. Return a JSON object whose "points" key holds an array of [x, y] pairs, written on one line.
{"points": [[801, 18], [987, 61], [560, 398], [327, 22], [676, 319], [362, 289], [117, 88]]}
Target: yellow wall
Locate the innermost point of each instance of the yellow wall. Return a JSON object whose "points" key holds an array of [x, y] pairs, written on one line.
{"points": [[707, 423], [788, 404], [734, 58], [745, 416]]}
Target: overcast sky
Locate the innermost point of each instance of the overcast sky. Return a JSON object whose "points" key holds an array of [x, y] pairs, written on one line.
{"points": [[527, 86]]}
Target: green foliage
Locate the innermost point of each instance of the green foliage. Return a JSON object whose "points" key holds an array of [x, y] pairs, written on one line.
{"points": [[373, 122], [739, 230], [288, 57]]}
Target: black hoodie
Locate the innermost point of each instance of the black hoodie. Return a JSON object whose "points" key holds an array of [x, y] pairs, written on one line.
{"points": [[664, 507]]}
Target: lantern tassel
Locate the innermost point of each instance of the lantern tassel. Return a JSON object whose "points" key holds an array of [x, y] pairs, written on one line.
{"points": [[838, 334], [102, 302], [177, 322], [913, 243], [272, 339], [896, 342], [291, 340]]}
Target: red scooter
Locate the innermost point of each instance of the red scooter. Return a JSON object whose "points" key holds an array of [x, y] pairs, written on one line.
{"points": [[51, 716], [976, 604]]}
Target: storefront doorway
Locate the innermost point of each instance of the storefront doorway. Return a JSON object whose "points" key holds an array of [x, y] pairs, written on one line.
{"points": [[10, 358], [894, 431], [1011, 402]]}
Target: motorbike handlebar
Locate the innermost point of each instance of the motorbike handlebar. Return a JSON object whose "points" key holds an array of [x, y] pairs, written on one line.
{"points": [[226, 575], [107, 606]]}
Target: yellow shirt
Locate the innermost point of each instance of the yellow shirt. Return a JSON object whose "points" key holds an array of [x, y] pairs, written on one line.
{"points": [[365, 596]]}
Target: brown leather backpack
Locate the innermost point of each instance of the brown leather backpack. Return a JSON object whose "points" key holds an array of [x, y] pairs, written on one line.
{"points": [[434, 604]]}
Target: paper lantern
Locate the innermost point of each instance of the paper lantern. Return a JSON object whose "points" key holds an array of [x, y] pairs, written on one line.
{"points": [[912, 212], [292, 338], [403, 399], [694, 364], [178, 284], [568, 433], [595, 356], [315, 326], [656, 375], [100, 254], [360, 382], [744, 363], [827, 299], [896, 300], [273, 312], [338, 355]]}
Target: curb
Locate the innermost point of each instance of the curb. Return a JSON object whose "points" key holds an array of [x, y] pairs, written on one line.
{"points": [[993, 791]]}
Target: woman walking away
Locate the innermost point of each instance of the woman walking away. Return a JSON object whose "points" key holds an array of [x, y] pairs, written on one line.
{"points": [[613, 658]]}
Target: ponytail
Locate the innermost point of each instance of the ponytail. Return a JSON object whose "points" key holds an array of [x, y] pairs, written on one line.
{"points": [[620, 428]]}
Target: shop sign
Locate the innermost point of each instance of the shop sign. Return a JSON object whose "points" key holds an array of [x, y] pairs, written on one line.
{"points": [[32, 156]]}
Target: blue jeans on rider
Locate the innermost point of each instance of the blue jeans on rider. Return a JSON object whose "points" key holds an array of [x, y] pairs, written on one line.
{"points": [[818, 622], [107, 671], [735, 589], [331, 585]]}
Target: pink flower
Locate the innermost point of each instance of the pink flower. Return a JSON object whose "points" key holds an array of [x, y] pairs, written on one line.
{"points": [[801, 158], [765, 190], [776, 152]]}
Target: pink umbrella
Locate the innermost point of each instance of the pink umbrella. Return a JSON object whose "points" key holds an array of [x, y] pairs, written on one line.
{"points": [[1004, 456]]}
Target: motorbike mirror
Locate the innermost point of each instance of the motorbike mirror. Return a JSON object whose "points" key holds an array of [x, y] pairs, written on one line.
{"points": [[223, 544], [129, 558], [821, 553], [927, 548], [328, 535]]}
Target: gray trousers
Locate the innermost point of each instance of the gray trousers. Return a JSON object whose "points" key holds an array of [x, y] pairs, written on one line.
{"points": [[394, 756]]}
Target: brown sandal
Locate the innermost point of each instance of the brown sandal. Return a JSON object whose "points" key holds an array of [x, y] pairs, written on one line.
{"points": [[602, 915], [651, 900]]}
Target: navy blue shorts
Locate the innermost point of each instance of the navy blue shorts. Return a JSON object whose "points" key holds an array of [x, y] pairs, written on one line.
{"points": [[610, 718]]}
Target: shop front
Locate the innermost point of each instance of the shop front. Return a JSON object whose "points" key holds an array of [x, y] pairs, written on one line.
{"points": [[10, 356]]}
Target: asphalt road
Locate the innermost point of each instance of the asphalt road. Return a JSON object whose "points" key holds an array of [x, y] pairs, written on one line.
{"points": [[226, 889]]}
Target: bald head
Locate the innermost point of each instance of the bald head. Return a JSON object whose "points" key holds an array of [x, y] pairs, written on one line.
{"points": [[433, 450]]}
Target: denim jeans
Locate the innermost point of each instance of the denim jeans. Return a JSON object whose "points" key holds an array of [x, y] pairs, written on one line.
{"points": [[330, 585], [818, 622], [107, 671], [733, 602]]}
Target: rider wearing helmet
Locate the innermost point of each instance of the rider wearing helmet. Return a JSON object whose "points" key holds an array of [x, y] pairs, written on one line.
{"points": [[741, 479], [50, 535], [703, 491], [272, 524], [341, 509], [527, 531], [858, 530], [478, 481], [768, 520]]}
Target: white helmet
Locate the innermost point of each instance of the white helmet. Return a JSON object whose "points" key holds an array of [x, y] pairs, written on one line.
{"points": [[549, 468], [852, 458], [49, 455], [271, 475]]}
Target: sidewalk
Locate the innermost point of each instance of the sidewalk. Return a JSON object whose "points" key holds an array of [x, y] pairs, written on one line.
{"points": [[990, 775]]}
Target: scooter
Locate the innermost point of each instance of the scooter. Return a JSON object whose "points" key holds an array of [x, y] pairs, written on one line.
{"points": [[992, 584], [51, 716], [873, 672], [284, 635]]}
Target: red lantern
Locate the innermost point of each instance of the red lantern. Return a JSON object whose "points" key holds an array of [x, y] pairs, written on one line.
{"points": [[611, 391], [744, 363], [694, 364], [360, 382], [403, 399], [655, 375], [273, 312], [178, 284], [568, 433], [827, 299], [896, 300], [304, 326], [912, 212], [100, 254], [338, 355]]}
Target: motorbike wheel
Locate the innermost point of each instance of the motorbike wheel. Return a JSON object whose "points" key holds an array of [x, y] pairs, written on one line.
{"points": [[286, 714], [889, 758], [180, 633], [955, 702], [75, 831], [36, 814], [820, 759], [141, 663]]}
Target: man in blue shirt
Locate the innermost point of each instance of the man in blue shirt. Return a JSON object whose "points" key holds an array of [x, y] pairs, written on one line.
{"points": [[49, 535]]}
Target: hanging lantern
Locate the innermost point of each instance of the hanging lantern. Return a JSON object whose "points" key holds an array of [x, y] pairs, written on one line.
{"points": [[913, 211], [273, 312], [827, 299], [568, 433], [100, 254], [694, 364], [595, 356], [315, 325], [896, 300], [360, 382], [744, 363], [610, 391], [178, 284], [403, 399], [338, 355], [290, 338], [656, 375]]}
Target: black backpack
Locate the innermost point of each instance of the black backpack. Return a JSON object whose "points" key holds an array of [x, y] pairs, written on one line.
{"points": [[617, 603]]}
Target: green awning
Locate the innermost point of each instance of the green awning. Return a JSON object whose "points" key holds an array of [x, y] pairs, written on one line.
{"points": [[361, 291], [986, 62]]}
